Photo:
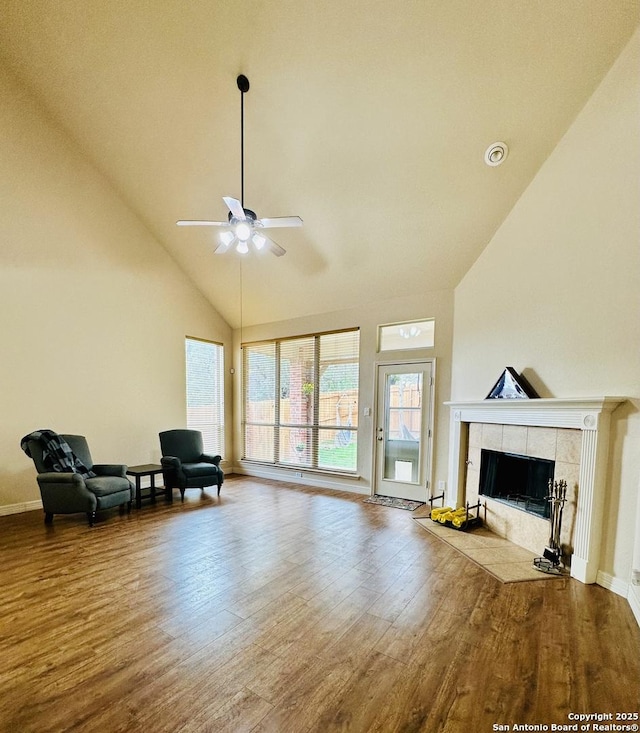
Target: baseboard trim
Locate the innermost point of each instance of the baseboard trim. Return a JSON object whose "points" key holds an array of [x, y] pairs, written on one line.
{"points": [[627, 590], [308, 478], [612, 583], [634, 600], [25, 506]]}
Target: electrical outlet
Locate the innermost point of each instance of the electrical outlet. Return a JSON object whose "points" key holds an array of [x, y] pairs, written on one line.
{"points": [[442, 485], [298, 474]]}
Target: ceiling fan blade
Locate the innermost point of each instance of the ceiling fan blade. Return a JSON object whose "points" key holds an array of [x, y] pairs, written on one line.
{"points": [[222, 248], [272, 246], [235, 207], [201, 223], [280, 222]]}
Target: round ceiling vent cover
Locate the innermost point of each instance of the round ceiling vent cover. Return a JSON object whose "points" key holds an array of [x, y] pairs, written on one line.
{"points": [[496, 153]]}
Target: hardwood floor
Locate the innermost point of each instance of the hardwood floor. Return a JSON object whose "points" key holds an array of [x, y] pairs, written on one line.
{"points": [[287, 609]]}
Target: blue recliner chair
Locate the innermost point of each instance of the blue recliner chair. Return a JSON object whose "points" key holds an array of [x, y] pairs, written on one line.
{"points": [[185, 465]]}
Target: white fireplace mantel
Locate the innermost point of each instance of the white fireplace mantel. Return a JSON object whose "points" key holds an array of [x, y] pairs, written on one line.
{"points": [[590, 415]]}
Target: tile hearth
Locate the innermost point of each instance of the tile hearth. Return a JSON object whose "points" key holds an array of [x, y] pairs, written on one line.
{"points": [[506, 561]]}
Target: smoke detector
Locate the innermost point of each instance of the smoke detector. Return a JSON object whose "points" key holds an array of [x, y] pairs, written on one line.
{"points": [[496, 153]]}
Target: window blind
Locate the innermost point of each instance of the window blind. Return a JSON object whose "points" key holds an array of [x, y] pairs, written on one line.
{"points": [[259, 386], [301, 401], [205, 392]]}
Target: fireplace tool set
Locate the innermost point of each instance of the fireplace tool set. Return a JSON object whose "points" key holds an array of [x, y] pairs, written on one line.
{"points": [[550, 561], [461, 519]]}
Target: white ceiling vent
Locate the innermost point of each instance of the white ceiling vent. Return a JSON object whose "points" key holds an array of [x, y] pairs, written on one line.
{"points": [[496, 153]]}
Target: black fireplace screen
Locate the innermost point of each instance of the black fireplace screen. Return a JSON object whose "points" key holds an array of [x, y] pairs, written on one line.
{"points": [[521, 481]]}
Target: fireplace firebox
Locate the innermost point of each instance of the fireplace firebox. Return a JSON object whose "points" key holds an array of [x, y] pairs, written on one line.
{"points": [[520, 481]]}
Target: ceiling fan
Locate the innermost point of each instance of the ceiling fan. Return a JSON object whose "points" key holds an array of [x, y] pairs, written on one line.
{"points": [[243, 226]]}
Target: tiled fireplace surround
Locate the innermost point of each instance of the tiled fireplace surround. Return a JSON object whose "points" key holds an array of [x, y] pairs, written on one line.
{"points": [[574, 433]]}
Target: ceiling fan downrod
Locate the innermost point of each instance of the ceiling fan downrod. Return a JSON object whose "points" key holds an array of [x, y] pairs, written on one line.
{"points": [[243, 86]]}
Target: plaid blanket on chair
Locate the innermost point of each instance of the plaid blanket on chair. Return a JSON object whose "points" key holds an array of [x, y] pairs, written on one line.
{"points": [[56, 453]]}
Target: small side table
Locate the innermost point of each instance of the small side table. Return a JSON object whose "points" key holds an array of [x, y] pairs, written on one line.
{"points": [[147, 469]]}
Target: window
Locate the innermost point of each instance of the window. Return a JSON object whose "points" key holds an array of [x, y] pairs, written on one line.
{"points": [[205, 392], [409, 335], [301, 401]]}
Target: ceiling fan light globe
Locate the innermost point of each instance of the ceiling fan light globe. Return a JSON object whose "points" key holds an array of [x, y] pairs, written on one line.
{"points": [[409, 333], [243, 231], [242, 247], [258, 241], [226, 238]]}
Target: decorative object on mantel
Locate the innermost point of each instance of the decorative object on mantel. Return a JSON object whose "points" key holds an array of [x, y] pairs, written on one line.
{"points": [[394, 502], [550, 561], [512, 386]]}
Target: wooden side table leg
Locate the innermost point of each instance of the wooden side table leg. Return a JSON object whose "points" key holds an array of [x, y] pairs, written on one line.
{"points": [[138, 493], [153, 488]]}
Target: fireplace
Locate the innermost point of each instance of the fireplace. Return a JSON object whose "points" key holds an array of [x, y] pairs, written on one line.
{"points": [[508, 468], [518, 481], [578, 428]]}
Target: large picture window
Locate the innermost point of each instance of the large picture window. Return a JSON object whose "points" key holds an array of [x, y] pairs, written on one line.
{"points": [[301, 401], [205, 392]]}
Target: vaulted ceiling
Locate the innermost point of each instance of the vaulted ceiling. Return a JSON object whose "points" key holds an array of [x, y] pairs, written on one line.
{"points": [[368, 119]]}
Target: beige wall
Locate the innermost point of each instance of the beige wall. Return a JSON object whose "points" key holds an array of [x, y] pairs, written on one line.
{"points": [[93, 311], [556, 294], [438, 305]]}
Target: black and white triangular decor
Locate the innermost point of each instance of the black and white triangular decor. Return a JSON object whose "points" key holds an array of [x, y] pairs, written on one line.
{"points": [[511, 386]]}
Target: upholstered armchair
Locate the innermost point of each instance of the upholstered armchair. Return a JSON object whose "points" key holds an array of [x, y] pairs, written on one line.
{"points": [[70, 493], [185, 465]]}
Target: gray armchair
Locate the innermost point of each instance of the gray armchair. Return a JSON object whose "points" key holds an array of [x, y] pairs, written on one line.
{"points": [[185, 465], [70, 493]]}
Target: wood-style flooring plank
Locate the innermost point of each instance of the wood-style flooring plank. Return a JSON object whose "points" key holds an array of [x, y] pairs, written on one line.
{"points": [[289, 609]]}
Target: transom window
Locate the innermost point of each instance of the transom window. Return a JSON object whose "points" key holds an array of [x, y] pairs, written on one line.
{"points": [[301, 401], [408, 335]]}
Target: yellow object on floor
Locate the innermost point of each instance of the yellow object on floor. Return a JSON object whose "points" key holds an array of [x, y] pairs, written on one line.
{"points": [[450, 515], [436, 511], [459, 520]]}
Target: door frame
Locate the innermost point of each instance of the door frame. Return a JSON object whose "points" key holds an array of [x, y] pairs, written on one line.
{"points": [[429, 438]]}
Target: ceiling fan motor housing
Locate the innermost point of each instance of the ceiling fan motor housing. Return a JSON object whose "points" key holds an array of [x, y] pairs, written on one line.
{"points": [[251, 216]]}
